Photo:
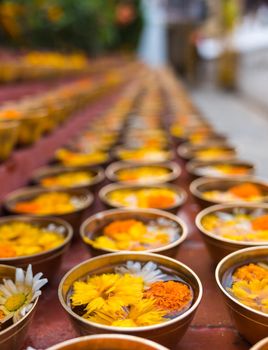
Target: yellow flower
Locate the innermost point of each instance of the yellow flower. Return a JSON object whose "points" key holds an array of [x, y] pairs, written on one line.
{"points": [[253, 293], [107, 292], [143, 313]]}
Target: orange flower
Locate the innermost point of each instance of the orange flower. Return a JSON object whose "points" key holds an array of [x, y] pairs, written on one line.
{"points": [[119, 226], [260, 223], [246, 190], [160, 201], [6, 251], [251, 272], [170, 295]]}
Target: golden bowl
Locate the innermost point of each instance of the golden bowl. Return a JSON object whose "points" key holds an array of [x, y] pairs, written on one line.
{"points": [[108, 341], [217, 246], [194, 167], [203, 184], [46, 172], [173, 168], [106, 190], [188, 151], [13, 337], [8, 137], [48, 261], [168, 333], [261, 345], [28, 193], [96, 222], [250, 323], [31, 128]]}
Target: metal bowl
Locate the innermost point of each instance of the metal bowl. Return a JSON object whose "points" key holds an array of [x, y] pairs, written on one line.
{"points": [[42, 173], [250, 323], [27, 193], [173, 168], [13, 337], [188, 151], [261, 345], [48, 261], [108, 341], [182, 196], [194, 167], [8, 137], [217, 246], [96, 222], [203, 184], [168, 333]]}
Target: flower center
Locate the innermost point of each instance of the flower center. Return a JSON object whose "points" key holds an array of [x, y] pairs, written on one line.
{"points": [[14, 302]]}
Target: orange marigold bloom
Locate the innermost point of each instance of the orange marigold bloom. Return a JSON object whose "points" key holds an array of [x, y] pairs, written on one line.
{"points": [[260, 223], [251, 272], [119, 226], [245, 190], [170, 296], [160, 201], [6, 251]]}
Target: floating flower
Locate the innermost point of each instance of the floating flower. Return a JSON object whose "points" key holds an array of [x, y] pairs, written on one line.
{"points": [[107, 292], [70, 179], [148, 272], [135, 235], [238, 225], [143, 313], [21, 239], [250, 286], [143, 174], [17, 298], [48, 203], [170, 295]]}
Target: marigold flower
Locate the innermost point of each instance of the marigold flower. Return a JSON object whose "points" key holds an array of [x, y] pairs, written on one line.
{"points": [[170, 295]]}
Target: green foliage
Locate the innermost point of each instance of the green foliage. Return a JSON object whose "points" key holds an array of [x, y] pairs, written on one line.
{"points": [[89, 25]]}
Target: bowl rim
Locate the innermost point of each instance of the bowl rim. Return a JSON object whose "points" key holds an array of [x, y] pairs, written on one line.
{"points": [[148, 342], [204, 180], [10, 328], [220, 286], [111, 170], [132, 329], [162, 213], [118, 186], [194, 164], [54, 170], [259, 344], [218, 207], [37, 190], [29, 219]]}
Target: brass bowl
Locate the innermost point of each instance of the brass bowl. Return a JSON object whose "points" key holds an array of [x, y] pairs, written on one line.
{"points": [[181, 194], [218, 246], [13, 337], [188, 151], [48, 261], [8, 137], [173, 168], [194, 167], [250, 323], [203, 184], [96, 223], [261, 345], [27, 193], [168, 333], [108, 341], [42, 173]]}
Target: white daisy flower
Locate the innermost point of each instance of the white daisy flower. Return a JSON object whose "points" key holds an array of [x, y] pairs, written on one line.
{"points": [[17, 298], [148, 272]]}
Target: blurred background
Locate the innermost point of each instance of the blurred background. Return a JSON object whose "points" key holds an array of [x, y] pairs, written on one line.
{"points": [[218, 47]]}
